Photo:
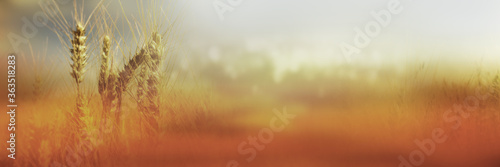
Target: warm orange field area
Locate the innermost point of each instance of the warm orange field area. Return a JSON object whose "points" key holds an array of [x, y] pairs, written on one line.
{"points": [[430, 124]]}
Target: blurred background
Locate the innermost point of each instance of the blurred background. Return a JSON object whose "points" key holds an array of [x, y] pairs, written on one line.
{"points": [[295, 34], [280, 38]]}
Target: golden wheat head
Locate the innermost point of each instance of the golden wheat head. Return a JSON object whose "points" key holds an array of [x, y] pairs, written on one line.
{"points": [[78, 53]]}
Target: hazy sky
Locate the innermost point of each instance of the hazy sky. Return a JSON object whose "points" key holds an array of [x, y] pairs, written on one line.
{"points": [[462, 26], [453, 18], [320, 26]]}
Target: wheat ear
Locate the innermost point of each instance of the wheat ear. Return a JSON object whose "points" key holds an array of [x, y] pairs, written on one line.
{"points": [[123, 78], [78, 54], [79, 61]]}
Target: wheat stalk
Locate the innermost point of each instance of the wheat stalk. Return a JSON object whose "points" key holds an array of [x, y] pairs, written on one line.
{"points": [[146, 89], [154, 77], [77, 117], [79, 61], [142, 88], [104, 72], [106, 87], [113, 90], [104, 75], [149, 55], [153, 81], [112, 84]]}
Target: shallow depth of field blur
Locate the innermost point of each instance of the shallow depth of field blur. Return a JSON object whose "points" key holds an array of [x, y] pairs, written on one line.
{"points": [[435, 68]]}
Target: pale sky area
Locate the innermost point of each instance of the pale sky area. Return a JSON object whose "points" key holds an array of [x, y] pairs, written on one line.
{"points": [[457, 25], [300, 31]]}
